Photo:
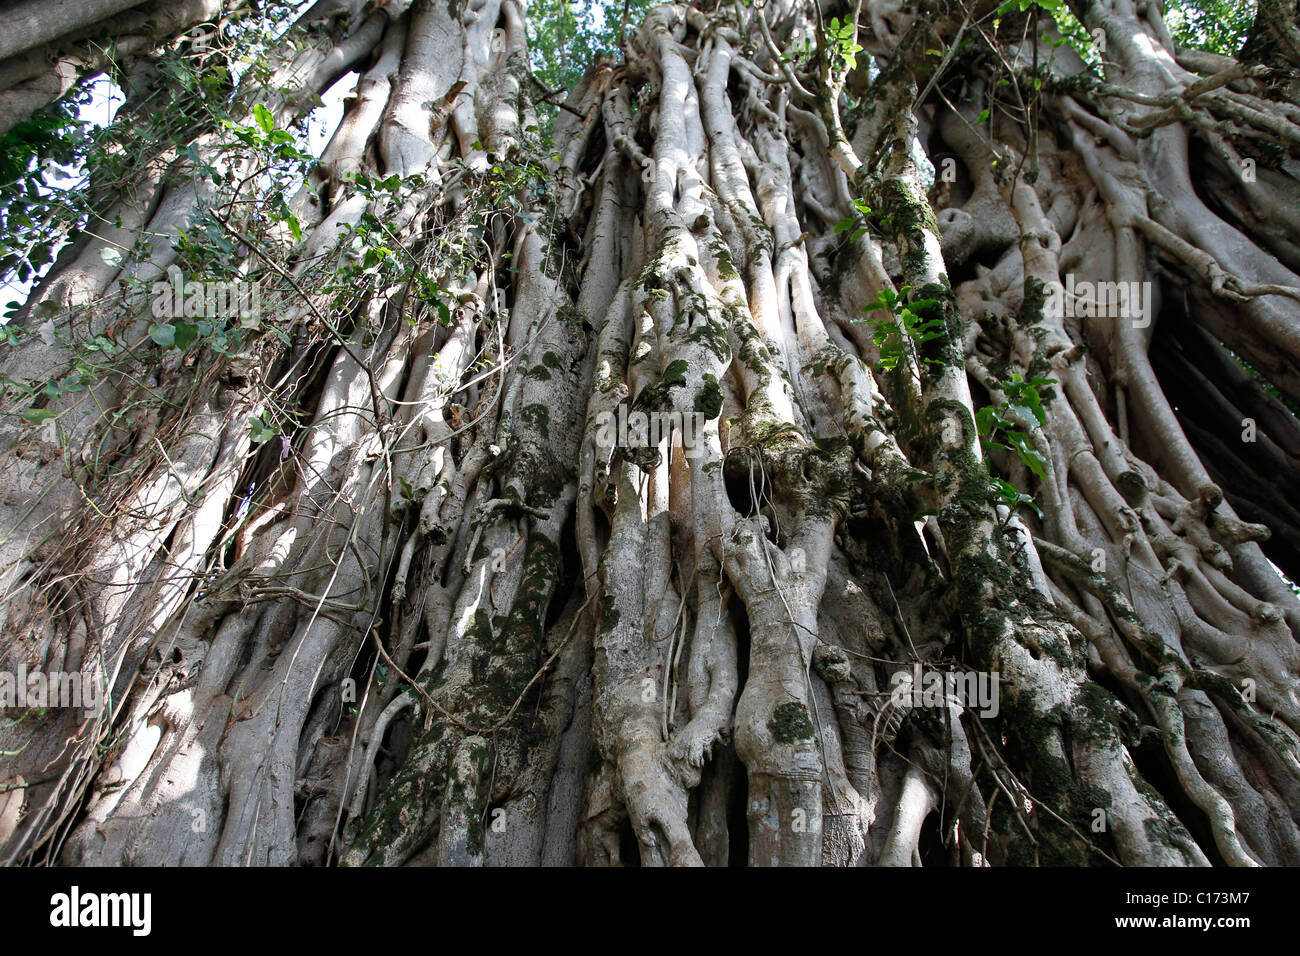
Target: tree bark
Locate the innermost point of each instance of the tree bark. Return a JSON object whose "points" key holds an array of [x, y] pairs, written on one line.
{"points": [[456, 611]]}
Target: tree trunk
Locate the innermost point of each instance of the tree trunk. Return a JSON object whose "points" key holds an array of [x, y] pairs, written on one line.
{"points": [[391, 573], [47, 45]]}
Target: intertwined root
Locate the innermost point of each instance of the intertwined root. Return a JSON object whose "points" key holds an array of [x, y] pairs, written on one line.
{"points": [[469, 619]]}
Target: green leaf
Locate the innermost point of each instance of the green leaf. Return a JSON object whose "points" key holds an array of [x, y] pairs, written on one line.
{"points": [[1012, 496], [261, 431], [37, 415], [890, 354], [164, 335], [1025, 411], [263, 118], [1031, 457]]}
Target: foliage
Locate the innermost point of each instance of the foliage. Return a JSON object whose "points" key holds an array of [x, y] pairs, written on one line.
{"points": [[39, 187], [1011, 496], [856, 225], [565, 38], [1001, 426], [58, 169], [1023, 5], [842, 39], [904, 325], [1218, 26]]}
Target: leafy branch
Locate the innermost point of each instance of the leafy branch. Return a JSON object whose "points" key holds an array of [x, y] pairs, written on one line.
{"points": [[997, 426], [904, 325]]}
